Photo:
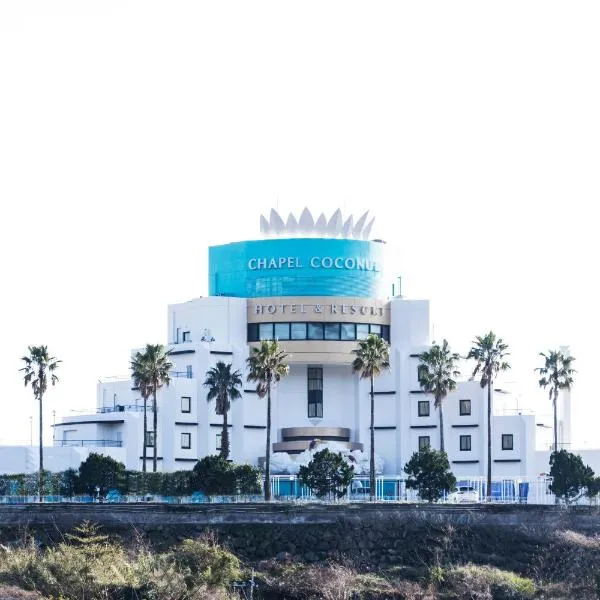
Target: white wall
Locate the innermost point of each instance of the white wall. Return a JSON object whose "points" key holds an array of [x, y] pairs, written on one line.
{"points": [[346, 400]]}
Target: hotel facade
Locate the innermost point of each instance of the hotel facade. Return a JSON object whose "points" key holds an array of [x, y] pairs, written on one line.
{"points": [[317, 286]]}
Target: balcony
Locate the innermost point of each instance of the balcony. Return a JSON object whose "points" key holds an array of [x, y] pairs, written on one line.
{"points": [[88, 443]]}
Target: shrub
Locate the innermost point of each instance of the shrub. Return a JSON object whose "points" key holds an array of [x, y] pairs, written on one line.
{"points": [[327, 474], [570, 475], [214, 476], [247, 479], [204, 561], [489, 582], [13, 593], [100, 471], [429, 472]]}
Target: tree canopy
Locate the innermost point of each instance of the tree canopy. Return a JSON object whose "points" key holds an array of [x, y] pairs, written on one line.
{"points": [[429, 473], [570, 476], [327, 474]]}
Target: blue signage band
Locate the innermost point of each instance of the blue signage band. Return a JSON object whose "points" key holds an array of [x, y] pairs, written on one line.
{"points": [[297, 267]]}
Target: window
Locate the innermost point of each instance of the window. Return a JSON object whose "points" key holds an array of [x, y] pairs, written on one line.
{"points": [[150, 439], [348, 331], [465, 443], [186, 404], [362, 331], [265, 331], [424, 442], [282, 331], [252, 332], [421, 372], [218, 442], [188, 371], [507, 441], [187, 336], [186, 441], [424, 408], [315, 331], [376, 329], [315, 392], [385, 332], [332, 331], [298, 331], [465, 407]]}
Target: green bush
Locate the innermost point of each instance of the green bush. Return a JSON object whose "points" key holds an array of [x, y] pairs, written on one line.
{"points": [[101, 471], [327, 474], [428, 472], [203, 561], [89, 565], [247, 479], [495, 583], [213, 475]]}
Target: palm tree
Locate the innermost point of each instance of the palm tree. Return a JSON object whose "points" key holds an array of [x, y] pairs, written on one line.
{"points": [[556, 374], [437, 370], [141, 381], [223, 387], [489, 352], [372, 357], [39, 365], [267, 365], [150, 371]]}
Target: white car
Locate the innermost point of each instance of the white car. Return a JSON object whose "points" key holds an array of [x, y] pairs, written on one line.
{"points": [[464, 494]]}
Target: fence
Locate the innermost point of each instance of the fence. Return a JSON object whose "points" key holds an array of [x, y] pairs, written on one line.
{"points": [[287, 488]]}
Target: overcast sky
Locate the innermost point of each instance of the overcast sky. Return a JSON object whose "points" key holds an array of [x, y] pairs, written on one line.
{"points": [[135, 134]]}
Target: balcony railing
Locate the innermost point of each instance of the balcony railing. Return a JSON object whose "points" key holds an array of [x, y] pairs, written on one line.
{"points": [[124, 408], [183, 374], [89, 443]]}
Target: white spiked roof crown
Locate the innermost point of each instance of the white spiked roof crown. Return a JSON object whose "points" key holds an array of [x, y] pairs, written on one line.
{"points": [[306, 225]]}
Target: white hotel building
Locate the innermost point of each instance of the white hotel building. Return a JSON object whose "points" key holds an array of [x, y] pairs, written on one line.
{"points": [[316, 286]]}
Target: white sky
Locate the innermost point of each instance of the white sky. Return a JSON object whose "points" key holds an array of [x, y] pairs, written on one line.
{"points": [[135, 134]]}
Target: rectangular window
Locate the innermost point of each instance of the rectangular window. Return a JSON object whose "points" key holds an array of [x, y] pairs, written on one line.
{"points": [[265, 331], [424, 408], [507, 441], [186, 441], [332, 331], [465, 443], [315, 331], [348, 331], [362, 331], [465, 408], [218, 442], [186, 404], [282, 331], [188, 371], [424, 442], [376, 329], [253, 332], [187, 336], [315, 392], [150, 439], [385, 332], [298, 331]]}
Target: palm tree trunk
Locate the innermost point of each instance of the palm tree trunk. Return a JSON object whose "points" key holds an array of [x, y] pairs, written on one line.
{"points": [[372, 490], [144, 451], [41, 473], [155, 424], [555, 421], [556, 500], [225, 437], [441, 427], [489, 443], [268, 451]]}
